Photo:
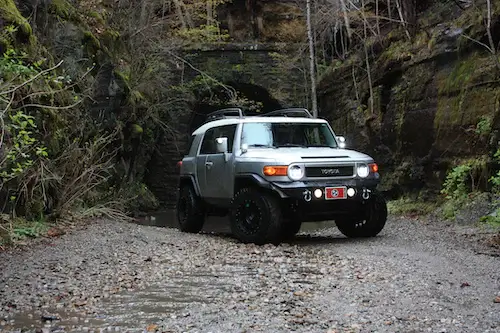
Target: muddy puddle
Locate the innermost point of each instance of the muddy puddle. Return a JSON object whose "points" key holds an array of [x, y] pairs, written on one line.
{"points": [[134, 311], [128, 311]]}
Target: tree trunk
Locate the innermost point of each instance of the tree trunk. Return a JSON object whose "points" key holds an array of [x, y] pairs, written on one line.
{"points": [[488, 28], [311, 61], [210, 15], [346, 19]]}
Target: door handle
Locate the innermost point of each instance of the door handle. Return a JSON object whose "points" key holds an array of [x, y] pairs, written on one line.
{"points": [[209, 164]]}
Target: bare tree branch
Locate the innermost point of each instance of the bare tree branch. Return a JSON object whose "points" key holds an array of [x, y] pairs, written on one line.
{"points": [[32, 79]]}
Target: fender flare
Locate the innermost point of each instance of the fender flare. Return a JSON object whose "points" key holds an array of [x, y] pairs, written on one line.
{"points": [[259, 182], [191, 180]]}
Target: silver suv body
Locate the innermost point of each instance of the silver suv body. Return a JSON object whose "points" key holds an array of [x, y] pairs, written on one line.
{"points": [[271, 173]]}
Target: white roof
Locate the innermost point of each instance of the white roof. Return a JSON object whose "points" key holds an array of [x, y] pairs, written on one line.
{"points": [[250, 119]]}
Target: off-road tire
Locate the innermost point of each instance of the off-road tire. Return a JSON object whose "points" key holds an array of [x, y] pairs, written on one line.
{"points": [[255, 217], [371, 225], [290, 228], [190, 212]]}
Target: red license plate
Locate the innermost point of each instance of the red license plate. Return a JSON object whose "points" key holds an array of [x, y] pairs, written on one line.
{"points": [[334, 193]]}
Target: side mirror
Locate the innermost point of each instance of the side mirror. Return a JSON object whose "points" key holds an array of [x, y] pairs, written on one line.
{"points": [[221, 145], [341, 141]]}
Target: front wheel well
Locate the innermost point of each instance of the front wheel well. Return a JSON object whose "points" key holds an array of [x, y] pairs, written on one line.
{"points": [[250, 182]]}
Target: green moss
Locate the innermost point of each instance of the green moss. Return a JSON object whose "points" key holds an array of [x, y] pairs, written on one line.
{"points": [[463, 96], [136, 97], [123, 75], [10, 13], [112, 34], [460, 77], [63, 9], [91, 42], [137, 129], [407, 206], [396, 51], [98, 16]]}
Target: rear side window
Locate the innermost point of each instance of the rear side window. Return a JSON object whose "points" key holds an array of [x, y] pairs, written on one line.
{"points": [[208, 145], [189, 145]]}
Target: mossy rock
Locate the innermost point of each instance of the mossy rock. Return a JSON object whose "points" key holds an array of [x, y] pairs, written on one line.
{"points": [[11, 15], [64, 9]]}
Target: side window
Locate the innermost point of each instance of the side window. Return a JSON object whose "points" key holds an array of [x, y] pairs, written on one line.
{"points": [[189, 147], [208, 146], [228, 131]]}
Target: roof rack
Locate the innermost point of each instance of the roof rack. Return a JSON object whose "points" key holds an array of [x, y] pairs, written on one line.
{"points": [[224, 113], [298, 112]]}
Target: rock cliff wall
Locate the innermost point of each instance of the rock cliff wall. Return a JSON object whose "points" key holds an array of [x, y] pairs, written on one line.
{"points": [[436, 99]]}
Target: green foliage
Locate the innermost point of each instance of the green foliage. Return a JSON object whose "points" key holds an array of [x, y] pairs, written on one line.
{"points": [[495, 179], [492, 219], [462, 179], [483, 127], [203, 34], [461, 184], [21, 148], [411, 207], [24, 147]]}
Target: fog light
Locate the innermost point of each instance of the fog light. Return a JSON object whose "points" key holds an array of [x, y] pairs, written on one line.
{"points": [[318, 193], [351, 192]]}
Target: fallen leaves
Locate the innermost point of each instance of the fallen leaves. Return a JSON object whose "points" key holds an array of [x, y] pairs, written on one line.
{"points": [[55, 232], [152, 328]]}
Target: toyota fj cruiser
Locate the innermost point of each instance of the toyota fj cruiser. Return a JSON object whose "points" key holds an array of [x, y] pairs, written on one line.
{"points": [[272, 172]]}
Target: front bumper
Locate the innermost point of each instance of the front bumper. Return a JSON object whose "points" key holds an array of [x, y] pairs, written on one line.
{"points": [[305, 191], [304, 205]]}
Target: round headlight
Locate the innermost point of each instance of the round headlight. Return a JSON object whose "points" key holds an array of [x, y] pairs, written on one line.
{"points": [[363, 170], [295, 172]]}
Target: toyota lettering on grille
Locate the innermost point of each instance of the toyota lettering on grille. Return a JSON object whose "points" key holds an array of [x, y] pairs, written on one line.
{"points": [[330, 172]]}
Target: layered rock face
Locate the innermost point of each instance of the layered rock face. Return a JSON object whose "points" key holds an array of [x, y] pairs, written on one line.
{"points": [[435, 99]]}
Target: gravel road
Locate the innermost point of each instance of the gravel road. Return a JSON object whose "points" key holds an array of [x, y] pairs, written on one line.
{"points": [[112, 276]]}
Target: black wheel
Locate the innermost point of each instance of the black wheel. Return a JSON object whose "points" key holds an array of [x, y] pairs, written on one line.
{"points": [[190, 213], [255, 217], [372, 224], [290, 228]]}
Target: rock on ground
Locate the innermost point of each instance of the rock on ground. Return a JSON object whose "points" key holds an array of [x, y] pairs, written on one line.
{"points": [[112, 276]]}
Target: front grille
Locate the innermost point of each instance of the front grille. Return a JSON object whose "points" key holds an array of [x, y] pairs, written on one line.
{"points": [[330, 171]]}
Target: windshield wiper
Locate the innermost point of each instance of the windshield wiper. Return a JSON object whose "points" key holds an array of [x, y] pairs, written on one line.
{"points": [[260, 145], [292, 145], [321, 146]]}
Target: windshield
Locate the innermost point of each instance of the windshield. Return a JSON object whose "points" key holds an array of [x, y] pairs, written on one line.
{"points": [[287, 135]]}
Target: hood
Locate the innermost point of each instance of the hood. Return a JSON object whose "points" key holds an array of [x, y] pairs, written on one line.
{"points": [[312, 154]]}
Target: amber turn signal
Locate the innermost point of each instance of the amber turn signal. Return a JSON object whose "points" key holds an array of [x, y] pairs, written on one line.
{"points": [[275, 170], [374, 167]]}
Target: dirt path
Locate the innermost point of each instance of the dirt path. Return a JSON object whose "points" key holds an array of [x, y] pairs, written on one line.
{"points": [[123, 277]]}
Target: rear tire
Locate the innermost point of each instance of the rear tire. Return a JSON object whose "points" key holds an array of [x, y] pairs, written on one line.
{"points": [[371, 225], [190, 212], [255, 217]]}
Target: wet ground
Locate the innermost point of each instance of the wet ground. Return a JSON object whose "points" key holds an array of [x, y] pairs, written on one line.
{"points": [[123, 277]]}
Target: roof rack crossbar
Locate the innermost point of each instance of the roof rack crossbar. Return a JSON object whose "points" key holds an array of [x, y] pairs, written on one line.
{"points": [[224, 113], [300, 112]]}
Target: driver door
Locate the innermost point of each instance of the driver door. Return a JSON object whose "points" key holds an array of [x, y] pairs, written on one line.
{"points": [[214, 173]]}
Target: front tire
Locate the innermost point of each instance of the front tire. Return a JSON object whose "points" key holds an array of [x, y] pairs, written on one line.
{"points": [[371, 225], [190, 212], [255, 217]]}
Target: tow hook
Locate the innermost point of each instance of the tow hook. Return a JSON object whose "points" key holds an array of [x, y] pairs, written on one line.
{"points": [[366, 193], [307, 195]]}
